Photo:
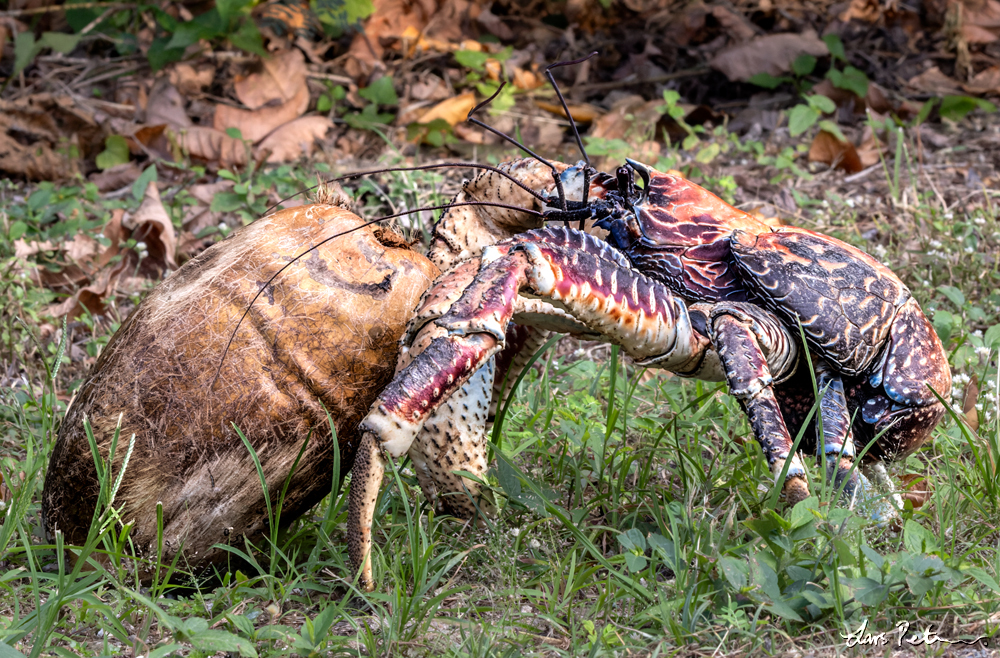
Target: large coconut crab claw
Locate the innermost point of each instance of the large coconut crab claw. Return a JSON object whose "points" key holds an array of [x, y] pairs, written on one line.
{"points": [[590, 290]]}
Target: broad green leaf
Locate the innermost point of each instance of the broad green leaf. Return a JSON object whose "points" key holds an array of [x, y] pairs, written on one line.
{"points": [[768, 81], [956, 108], [247, 38], [25, 50], [735, 571], [215, 641], [975, 572], [17, 229], [868, 591], [230, 8], [835, 46], [159, 54], [803, 65], [342, 14], [918, 539], [708, 153], [850, 79], [7, 651], [380, 92], [472, 59], [875, 557], [992, 337], [226, 202], [953, 294], [115, 152], [800, 119], [944, 324], [142, 182], [821, 103], [832, 128], [59, 42]]}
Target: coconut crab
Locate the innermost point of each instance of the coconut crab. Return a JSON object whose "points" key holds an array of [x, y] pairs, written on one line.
{"points": [[686, 283]]}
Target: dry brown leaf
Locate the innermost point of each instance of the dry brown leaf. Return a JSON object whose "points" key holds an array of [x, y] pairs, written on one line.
{"points": [[581, 112], [295, 139], [916, 488], [980, 21], [986, 81], [826, 148], [469, 134], [867, 11], [43, 137], [870, 150], [166, 106], [209, 144], [973, 34], [255, 125], [453, 110], [91, 297], [629, 116], [151, 224], [116, 177], [81, 248], [526, 80], [734, 23], [190, 79], [438, 22], [933, 81], [772, 54], [23, 249], [280, 79]]}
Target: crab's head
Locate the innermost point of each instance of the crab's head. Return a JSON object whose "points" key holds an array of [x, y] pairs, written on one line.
{"points": [[674, 230]]}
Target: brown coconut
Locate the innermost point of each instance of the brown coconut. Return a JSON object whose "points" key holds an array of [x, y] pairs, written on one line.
{"points": [[323, 334]]}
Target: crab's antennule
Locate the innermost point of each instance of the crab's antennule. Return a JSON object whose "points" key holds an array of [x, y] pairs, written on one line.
{"points": [[319, 244], [555, 173], [572, 123], [440, 165]]}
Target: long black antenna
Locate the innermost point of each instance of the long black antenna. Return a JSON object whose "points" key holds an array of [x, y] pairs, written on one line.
{"points": [[555, 173], [440, 165], [572, 122], [319, 244]]}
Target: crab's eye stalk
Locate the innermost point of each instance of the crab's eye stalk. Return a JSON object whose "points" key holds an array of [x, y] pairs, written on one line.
{"points": [[643, 172], [626, 180]]}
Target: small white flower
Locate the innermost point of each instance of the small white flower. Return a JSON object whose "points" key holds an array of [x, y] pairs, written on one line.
{"points": [[849, 203], [516, 532], [223, 227], [970, 250], [579, 353], [979, 220], [140, 246], [949, 215], [535, 544], [978, 333], [936, 244]]}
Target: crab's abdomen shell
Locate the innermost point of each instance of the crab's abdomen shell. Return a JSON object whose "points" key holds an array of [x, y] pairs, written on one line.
{"points": [[323, 336]]}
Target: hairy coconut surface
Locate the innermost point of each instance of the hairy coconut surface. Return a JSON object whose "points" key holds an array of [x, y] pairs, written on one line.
{"points": [[323, 334]]}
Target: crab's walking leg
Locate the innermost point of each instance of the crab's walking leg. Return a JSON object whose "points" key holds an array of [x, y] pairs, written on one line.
{"points": [[757, 351], [577, 273]]}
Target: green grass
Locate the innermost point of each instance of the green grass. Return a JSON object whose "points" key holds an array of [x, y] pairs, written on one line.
{"points": [[636, 513]]}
